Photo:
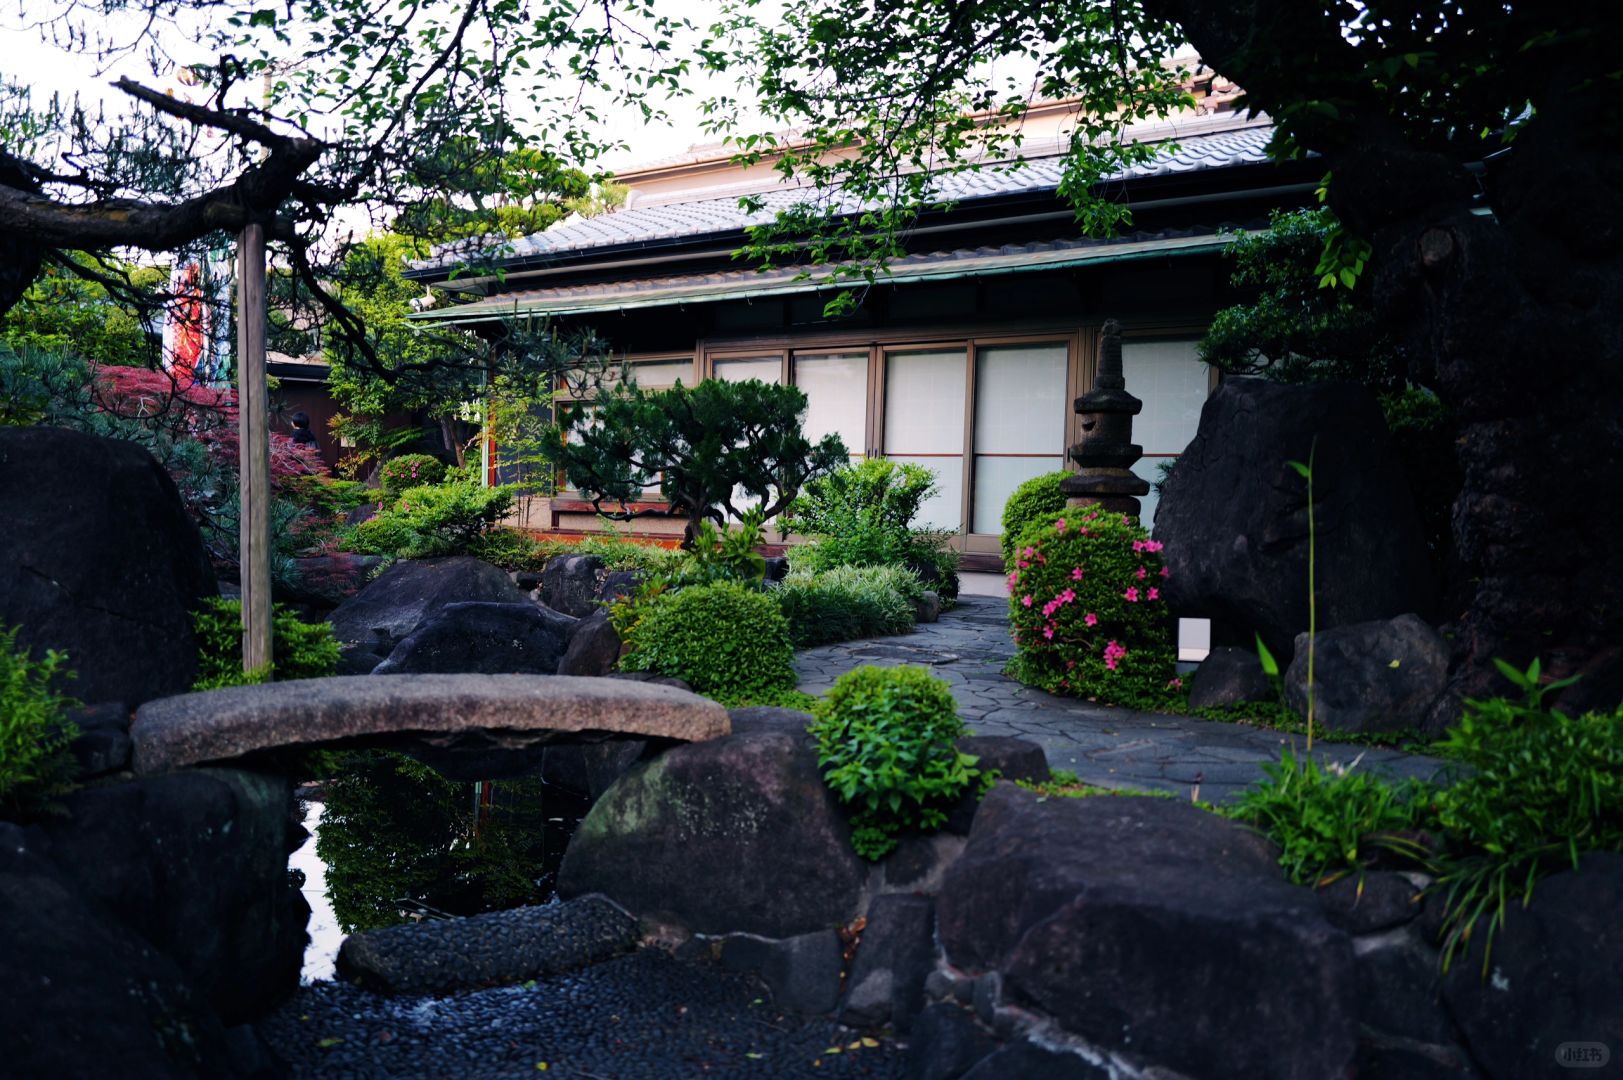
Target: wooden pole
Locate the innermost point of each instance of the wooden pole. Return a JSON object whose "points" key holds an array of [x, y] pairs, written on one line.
{"points": [[253, 432]]}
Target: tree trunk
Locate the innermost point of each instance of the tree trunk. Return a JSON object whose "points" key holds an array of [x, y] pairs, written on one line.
{"points": [[452, 443], [1516, 321]]}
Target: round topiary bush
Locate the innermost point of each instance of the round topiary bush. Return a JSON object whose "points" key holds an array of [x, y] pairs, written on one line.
{"points": [[409, 471], [726, 641], [885, 741], [1086, 612], [1036, 498]]}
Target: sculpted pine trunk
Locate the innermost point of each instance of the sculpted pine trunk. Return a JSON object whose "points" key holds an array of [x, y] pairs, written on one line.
{"points": [[1518, 320], [1505, 282]]}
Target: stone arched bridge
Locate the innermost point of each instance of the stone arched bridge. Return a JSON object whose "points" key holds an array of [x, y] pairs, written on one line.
{"points": [[465, 726]]}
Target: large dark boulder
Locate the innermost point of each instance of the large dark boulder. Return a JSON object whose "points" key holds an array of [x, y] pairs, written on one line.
{"points": [[103, 743], [83, 995], [1555, 976], [1371, 676], [411, 591], [569, 584], [946, 1043], [735, 834], [194, 862], [1012, 757], [102, 562], [1152, 927], [498, 948], [1233, 515], [1230, 675], [620, 585], [896, 953], [483, 638], [594, 646], [591, 768]]}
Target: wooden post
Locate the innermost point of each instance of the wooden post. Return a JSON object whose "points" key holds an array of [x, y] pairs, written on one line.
{"points": [[253, 432]]}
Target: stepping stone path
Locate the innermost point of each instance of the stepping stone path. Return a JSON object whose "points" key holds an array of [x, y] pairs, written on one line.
{"points": [[1106, 746], [481, 714]]}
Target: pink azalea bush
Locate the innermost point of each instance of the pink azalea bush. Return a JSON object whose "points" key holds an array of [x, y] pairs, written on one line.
{"points": [[1086, 610]]}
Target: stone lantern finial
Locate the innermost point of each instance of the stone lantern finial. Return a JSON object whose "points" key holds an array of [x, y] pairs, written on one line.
{"points": [[1107, 451]]}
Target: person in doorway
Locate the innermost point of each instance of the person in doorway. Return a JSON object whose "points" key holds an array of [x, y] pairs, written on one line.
{"points": [[302, 435]]}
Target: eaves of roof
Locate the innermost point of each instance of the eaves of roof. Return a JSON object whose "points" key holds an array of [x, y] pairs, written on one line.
{"points": [[722, 221], [683, 290]]}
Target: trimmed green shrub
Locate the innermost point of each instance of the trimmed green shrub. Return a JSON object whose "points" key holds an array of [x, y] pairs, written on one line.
{"points": [[1086, 613], [861, 515], [1036, 498], [847, 602], [299, 650], [400, 474], [34, 730], [440, 519], [934, 562], [885, 742], [726, 641], [862, 512]]}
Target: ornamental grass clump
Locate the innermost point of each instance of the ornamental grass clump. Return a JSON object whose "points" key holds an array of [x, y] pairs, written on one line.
{"points": [[848, 602], [886, 745], [1086, 610], [727, 641]]}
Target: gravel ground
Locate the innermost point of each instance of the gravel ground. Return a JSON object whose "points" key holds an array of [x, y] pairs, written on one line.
{"points": [[642, 1016]]}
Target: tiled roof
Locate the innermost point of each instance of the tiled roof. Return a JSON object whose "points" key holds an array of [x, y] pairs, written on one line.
{"points": [[702, 217], [677, 289]]}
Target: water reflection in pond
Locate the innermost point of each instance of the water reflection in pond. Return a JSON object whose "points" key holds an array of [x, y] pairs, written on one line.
{"points": [[398, 841]]}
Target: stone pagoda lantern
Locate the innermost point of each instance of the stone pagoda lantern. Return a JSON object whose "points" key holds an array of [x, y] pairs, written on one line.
{"points": [[1107, 451]]}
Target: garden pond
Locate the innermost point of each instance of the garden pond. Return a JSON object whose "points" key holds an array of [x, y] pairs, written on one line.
{"points": [[392, 841]]}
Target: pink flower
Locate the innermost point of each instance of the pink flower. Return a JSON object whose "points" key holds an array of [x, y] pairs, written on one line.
{"points": [[1091, 619], [1131, 595], [1114, 654], [1059, 525], [1163, 571], [1138, 545], [1048, 631], [1142, 573], [1175, 684], [1076, 575], [1026, 599], [1152, 546], [1155, 594], [1023, 564], [1029, 552], [1014, 579], [1067, 596]]}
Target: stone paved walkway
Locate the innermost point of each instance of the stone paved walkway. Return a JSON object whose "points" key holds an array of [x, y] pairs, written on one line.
{"points": [[1106, 746]]}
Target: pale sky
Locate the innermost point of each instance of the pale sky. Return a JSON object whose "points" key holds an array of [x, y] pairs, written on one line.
{"points": [[24, 58]]}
